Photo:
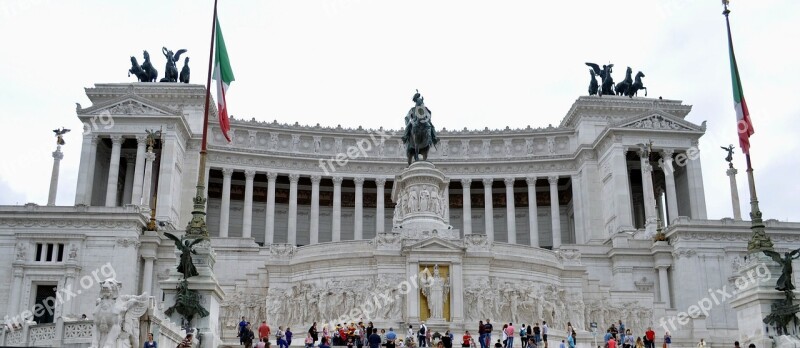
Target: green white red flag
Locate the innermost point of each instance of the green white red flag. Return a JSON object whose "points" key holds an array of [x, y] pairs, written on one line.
{"points": [[223, 74], [743, 124]]}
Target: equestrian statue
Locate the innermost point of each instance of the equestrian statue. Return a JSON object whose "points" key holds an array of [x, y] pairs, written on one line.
{"points": [[171, 71], [144, 72], [623, 86], [606, 82], [420, 134]]}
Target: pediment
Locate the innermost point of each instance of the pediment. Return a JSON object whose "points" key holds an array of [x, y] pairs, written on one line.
{"points": [[434, 244], [128, 105], [659, 120]]}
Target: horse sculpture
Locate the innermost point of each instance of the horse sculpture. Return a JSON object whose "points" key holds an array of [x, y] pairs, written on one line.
{"points": [[593, 86], [622, 87], [421, 140], [152, 73], [607, 82], [137, 70], [184, 77], [636, 86], [171, 71]]}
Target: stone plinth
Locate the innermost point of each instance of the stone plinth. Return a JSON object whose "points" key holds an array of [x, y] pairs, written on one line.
{"points": [[207, 287], [419, 194], [754, 302]]}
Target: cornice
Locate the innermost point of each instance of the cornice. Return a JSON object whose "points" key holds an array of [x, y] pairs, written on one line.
{"points": [[621, 106]]}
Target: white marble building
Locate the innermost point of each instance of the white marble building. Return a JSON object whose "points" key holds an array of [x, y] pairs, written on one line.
{"points": [[558, 225]]}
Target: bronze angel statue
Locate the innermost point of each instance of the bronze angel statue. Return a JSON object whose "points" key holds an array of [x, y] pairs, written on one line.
{"points": [[60, 135], [186, 247], [606, 82], [785, 280], [171, 70]]}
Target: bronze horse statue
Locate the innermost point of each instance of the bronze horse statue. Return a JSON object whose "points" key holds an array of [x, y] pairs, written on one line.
{"points": [[137, 70], [593, 86], [152, 73], [607, 82], [421, 139], [171, 70], [636, 86], [622, 87]]}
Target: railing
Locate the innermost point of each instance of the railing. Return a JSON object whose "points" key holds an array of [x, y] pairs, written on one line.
{"points": [[48, 335]]}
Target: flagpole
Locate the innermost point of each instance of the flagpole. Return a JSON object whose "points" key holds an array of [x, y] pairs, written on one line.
{"points": [[759, 241], [197, 226]]}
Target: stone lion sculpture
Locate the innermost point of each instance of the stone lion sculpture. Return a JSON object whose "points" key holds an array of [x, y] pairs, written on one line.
{"points": [[116, 317]]}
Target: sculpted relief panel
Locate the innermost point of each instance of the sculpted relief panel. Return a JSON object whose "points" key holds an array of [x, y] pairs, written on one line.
{"points": [[326, 301]]}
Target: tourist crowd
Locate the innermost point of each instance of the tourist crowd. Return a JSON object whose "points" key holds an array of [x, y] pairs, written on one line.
{"points": [[359, 335]]}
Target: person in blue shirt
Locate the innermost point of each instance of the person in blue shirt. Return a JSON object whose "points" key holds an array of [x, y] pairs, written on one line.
{"points": [[390, 336], [242, 324], [150, 343], [571, 341]]}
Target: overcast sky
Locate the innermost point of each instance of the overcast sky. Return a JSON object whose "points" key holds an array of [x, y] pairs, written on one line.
{"points": [[357, 62]]}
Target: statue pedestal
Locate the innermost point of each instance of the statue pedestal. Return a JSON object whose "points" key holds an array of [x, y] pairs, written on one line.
{"points": [[754, 301], [422, 205], [208, 330]]}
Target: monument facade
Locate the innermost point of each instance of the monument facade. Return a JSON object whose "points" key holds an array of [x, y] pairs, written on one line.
{"points": [[327, 224]]}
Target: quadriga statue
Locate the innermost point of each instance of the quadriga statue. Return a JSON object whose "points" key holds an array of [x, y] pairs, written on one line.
{"points": [[116, 317]]}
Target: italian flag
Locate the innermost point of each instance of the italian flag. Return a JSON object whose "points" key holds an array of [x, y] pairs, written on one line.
{"points": [[224, 76], [743, 124]]}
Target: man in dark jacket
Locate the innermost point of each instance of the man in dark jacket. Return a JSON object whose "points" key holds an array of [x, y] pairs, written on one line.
{"points": [[374, 339]]}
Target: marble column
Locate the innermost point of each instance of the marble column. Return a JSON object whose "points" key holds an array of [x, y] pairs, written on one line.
{"points": [[466, 205], [113, 171], [446, 203], [412, 299], [57, 157], [138, 171], [577, 209], [697, 196], [663, 282], [149, 158], [659, 207], [669, 179], [621, 188], [16, 290], [380, 224], [127, 187], [737, 210], [336, 218], [225, 207], [358, 215], [90, 170], [648, 193], [247, 214], [533, 212], [80, 189], [71, 272], [511, 223], [147, 275], [292, 225], [555, 211], [269, 235], [456, 293], [314, 215], [488, 209]]}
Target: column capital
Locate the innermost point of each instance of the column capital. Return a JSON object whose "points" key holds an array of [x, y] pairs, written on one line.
{"points": [[141, 140], [58, 155], [531, 180], [380, 182], [667, 153], [337, 180], [294, 177], [553, 180], [509, 181], [150, 157], [249, 174], [358, 181], [315, 179], [731, 171], [116, 139], [95, 139], [271, 176], [227, 172], [647, 168], [487, 181], [466, 182]]}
